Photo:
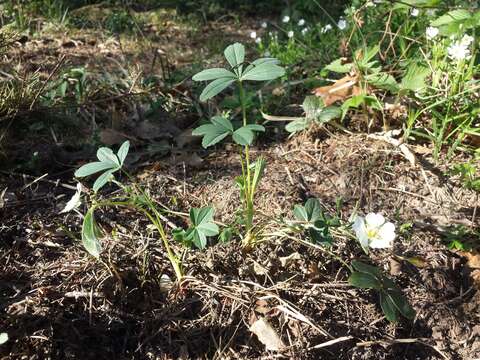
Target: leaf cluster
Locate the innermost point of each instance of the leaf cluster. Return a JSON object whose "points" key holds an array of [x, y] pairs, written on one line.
{"points": [[392, 301], [201, 227]]}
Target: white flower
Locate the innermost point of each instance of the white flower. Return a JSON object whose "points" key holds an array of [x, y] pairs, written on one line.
{"points": [[264, 25], [290, 34], [342, 24], [74, 202], [253, 34], [431, 32], [414, 12], [326, 28], [467, 40], [286, 19], [301, 22], [258, 40], [458, 51], [374, 231], [304, 31]]}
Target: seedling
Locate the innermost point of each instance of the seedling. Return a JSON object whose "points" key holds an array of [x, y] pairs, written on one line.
{"points": [[392, 301], [221, 127], [135, 197]]}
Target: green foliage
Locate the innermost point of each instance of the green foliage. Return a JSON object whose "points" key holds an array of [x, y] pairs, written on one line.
{"points": [[392, 301], [468, 175], [108, 162], [314, 220], [91, 234], [315, 112], [202, 226]]}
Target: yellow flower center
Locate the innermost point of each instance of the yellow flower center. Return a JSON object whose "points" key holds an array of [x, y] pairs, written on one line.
{"points": [[372, 233]]}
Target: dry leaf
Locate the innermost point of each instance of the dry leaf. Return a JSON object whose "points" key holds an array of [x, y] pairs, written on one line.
{"points": [[286, 260], [267, 335], [262, 307], [473, 259], [340, 91], [395, 267]]}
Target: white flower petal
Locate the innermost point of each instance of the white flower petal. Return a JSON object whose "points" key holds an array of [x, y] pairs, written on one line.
{"points": [[361, 231], [386, 235], [374, 220]]}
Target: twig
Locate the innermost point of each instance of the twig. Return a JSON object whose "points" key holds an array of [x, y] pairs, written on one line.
{"points": [[331, 342]]}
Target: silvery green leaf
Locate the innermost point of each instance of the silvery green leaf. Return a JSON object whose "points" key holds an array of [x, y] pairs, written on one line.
{"points": [[215, 87], [263, 72], [90, 235], [235, 54], [338, 67], [262, 61], [92, 168], [212, 74], [297, 125], [243, 136], [75, 201], [106, 155], [3, 338], [258, 172], [102, 180], [329, 113], [123, 151]]}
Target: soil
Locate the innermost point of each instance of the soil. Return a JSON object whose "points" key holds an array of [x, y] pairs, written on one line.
{"points": [[57, 302]]}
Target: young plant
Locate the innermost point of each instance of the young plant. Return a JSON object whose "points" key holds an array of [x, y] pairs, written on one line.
{"points": [[392, 301], [220, 126], [136, 198]]}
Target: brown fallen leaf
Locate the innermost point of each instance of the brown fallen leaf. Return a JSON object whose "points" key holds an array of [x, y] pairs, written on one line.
{"points": [[286, 260], [341, 90], [473, 258], [267, 335]]}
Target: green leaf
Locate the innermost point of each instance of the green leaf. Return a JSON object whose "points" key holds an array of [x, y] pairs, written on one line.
{"points": [[256, 127], [262, 61], [364, 281], [92, 168], [297, 125], [123, 151], [102, 180], [312, 106], [338, 67], [212, 74], [202, 226], [215, 87], [414, 79], [329, 113], [90, 234], [226, 235], [388, 307], [263, 72], [311, 212], [367, 269], [458, 15], [258, 172], [243, 136], [3, 338], [383, 81], [320, 233], [235, 54], [106, 155], [219, 128], [401, 303]]}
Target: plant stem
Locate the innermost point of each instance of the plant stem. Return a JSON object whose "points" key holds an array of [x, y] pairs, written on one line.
{"points": [[248, 191]]}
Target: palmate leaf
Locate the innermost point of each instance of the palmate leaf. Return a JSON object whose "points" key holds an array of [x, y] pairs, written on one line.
{"points": [[219, 128], [311, 212], [212, 74], [235, 54], [263, 72], [202, 226], [91, 234], [244, 135], [215, 87]]}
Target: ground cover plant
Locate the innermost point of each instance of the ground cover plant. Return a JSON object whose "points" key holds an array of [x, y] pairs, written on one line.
{"points": [[239, 180]]}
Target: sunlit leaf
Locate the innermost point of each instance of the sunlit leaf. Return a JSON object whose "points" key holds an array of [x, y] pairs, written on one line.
{"points": [[338, 67], [92, 168], [202, 226], [235, 54], [102, 180], [123, 151], [212, 74], [263, 72], [457, 15], [91, 234], [106, 155], [388, 307], [243, 136], [215, 87]]}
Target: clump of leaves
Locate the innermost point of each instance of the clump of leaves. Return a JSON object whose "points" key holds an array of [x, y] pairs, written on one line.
{"points": [[315, 222], [468, 175], [392, 301], [202, 226]]}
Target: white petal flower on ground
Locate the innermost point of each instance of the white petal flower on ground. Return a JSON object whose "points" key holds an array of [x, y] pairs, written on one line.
{"points": [[286, 19], [253, 35], [458, 51], [290, 34], [304, 31], [264, 25], [74, 202], [326, 28], [415, 12], [342, 24], [258, 40], [431, 32], [301, 22], [374, 231], [467, 40]]}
